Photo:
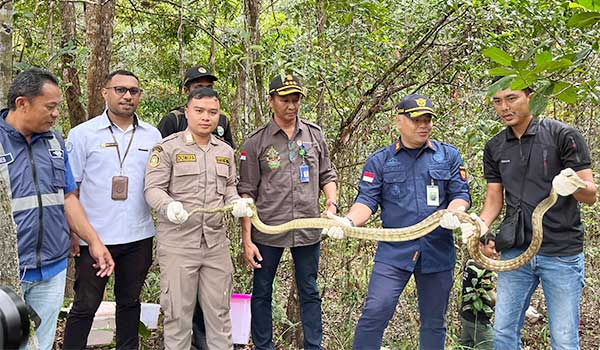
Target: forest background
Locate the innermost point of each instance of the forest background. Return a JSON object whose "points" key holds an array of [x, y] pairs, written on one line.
{"points": [[357, 58]]}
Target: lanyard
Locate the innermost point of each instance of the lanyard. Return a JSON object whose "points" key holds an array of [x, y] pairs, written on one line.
{"points": [[121, 161]]}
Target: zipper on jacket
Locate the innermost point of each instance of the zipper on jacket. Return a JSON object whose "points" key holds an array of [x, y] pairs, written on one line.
{"points": [[38, 248]]}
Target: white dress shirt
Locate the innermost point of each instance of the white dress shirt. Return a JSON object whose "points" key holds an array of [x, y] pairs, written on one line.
{"points": [[94, 161]]}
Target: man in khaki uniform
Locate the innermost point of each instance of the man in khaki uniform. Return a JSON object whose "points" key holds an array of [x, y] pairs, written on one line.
{"points": [[187, 170]]}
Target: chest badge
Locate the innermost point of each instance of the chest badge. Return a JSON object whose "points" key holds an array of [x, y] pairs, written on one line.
{"points": [[273, 158], [57, 153], [6, 159]]}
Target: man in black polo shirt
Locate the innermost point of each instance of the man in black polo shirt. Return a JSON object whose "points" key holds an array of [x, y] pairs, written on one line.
{"points": [[175, 121], [523, 162]]}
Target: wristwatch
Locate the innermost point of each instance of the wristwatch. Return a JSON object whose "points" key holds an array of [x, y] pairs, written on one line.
{"points": [[335, 205], [350, 220]]}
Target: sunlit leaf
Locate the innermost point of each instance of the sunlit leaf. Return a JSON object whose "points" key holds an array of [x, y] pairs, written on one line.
{"points": [[498, 56]]}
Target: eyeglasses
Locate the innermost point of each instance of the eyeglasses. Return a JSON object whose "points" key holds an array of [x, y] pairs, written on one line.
{"points": [[122, 90]]}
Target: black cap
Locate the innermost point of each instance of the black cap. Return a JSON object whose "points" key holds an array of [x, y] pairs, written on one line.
{"points": [[286, 85], [197, 72], [415, 105]]}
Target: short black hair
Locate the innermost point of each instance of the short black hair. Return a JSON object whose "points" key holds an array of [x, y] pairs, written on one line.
{"points": [[119, 72], [528, 90], [29, 84], [487, 237], [202, 93]]}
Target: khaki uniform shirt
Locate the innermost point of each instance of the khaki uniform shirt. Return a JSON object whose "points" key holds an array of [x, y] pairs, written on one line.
{"points": [[179, 170], [270, 174]]}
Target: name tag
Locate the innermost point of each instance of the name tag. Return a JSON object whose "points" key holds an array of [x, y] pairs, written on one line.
{"points": [[182, 158], [433, 196], [223, 160], [304, 173]]}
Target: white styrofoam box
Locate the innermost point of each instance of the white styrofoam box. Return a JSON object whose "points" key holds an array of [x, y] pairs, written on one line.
{"points": [[149, 315]]}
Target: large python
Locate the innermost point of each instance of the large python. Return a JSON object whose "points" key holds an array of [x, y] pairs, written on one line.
{"points": [[416, 231]]}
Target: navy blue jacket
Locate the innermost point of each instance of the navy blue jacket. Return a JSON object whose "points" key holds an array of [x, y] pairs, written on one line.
{"points": [[396, 181]]}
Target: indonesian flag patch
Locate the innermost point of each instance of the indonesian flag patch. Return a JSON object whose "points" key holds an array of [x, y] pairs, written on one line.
{"points": [[368, 177], [463, 173], [243, 155]]}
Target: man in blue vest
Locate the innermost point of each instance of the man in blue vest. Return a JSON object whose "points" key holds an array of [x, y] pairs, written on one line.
{"points": [[35, 169]]}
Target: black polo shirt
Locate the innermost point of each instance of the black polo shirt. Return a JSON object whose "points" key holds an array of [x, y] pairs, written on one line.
{"points": [[175, 121], [549, 146]]}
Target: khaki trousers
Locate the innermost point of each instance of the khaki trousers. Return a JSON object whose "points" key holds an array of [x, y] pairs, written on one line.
{"points": [[188, 276]]}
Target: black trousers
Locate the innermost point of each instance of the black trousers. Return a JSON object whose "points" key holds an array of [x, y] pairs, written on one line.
{"points": [[132, 261], [198, 330]]}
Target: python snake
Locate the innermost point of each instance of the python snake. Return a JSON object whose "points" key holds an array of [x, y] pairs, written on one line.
{"points": [[416, 231]]}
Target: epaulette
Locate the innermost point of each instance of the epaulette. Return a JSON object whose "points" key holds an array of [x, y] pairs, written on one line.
{"points": [[170, 137], [311, 124], [449, 145], [259, 129]]}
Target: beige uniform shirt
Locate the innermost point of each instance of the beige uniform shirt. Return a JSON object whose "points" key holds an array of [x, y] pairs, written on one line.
{"points": [[270, 174], [179, 170]]}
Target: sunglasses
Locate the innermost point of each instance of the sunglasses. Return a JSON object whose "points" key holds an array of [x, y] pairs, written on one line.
{"points": [[122, 90]]}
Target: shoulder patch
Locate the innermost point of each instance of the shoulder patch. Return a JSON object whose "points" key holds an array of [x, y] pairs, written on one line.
{"points": [[157, 148], [463, 172], [154, 160]]}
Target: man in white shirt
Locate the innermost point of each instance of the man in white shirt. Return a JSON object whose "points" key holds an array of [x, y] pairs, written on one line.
{"points": [[108, 155]]}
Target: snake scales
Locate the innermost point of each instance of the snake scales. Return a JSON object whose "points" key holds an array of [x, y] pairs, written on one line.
{"points": [[416, 231]]}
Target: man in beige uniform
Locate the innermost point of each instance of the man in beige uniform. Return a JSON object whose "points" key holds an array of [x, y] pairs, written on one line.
{"points": [[187, 170]]}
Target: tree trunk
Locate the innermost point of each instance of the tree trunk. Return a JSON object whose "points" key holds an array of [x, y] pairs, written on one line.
{"points": [[321, 23], [77, 114], [5, 50], [9, 260], [256, 75], [99, 16]]}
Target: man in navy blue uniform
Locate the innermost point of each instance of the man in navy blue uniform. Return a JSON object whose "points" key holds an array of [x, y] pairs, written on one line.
{"points": [[410, 179]]}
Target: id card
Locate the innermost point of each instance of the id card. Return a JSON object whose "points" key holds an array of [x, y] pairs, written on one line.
{"points": [[304, 173], [433, 196], [118, 191]]}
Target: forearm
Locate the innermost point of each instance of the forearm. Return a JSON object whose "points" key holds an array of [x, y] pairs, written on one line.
{"points": [[359, 214], [78, 221], [157, 199], [586, 195], [457, 203], [492, 206], [330, 191]]}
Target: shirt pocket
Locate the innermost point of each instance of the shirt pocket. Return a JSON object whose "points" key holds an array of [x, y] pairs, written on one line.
{"points": [[222, 176], [59, 172], [441, 178], [394, 184], [186, 178]]}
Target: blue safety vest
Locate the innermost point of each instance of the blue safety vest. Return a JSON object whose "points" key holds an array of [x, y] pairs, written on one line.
{"points": [[34, 173]]}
